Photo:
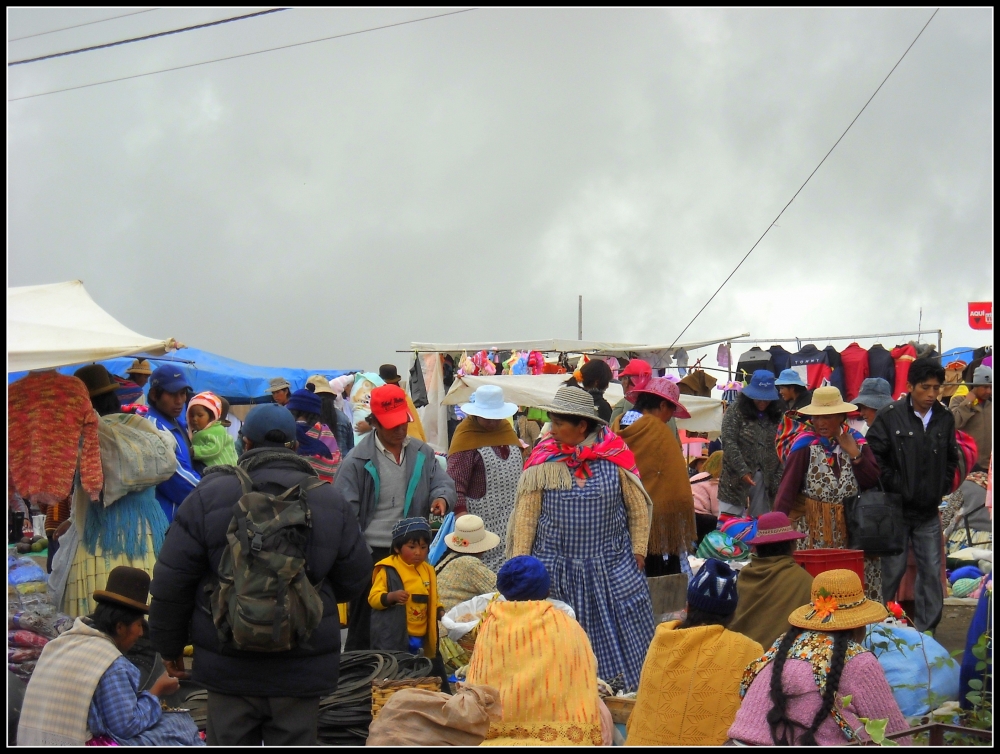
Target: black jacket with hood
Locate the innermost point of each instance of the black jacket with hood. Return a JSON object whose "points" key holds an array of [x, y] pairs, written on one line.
{"points": [[180, 612]]}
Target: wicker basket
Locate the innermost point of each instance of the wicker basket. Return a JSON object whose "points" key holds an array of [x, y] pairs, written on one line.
{"points": [[382, 690], [620, 708]]}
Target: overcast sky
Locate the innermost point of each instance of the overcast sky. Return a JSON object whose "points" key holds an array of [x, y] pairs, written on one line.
{"points": [[465, 178]]}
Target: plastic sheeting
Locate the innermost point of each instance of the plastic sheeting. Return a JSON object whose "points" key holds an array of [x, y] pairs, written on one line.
{"points": [[233, 380], [538, 390], [53, 325]]}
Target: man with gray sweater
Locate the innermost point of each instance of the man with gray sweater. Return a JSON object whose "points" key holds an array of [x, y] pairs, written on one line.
{"points": [[386, 478]]}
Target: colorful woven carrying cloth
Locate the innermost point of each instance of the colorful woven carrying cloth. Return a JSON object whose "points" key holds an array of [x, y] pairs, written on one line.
{"points": [[816, 648], [607, 447], [796, 432], [541, 661]]}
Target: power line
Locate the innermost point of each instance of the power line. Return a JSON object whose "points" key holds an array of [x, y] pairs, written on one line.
{"points": [[243, 55], [144, 38], [77, 26], [804, 184]]}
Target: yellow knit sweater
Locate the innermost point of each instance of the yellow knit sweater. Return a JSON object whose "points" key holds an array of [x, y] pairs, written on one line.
{"points": [[689, 691]]}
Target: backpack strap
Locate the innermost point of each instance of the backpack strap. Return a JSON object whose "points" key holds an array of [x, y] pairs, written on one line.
{"points": [[245, 481]]}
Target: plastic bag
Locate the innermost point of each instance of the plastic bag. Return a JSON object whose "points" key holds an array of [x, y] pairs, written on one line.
{"points": [[26, 639], [919, 671], [438, 548], [32, 587], [23, 654], [22, 670], [40, 619], [23, 570], [465, 616]]}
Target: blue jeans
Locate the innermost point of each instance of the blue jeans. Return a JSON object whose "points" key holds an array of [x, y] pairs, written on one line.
{"points": [[925, 539]]}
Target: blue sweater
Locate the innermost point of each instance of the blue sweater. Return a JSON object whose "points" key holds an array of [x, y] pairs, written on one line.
{"points": [[171, 493]]}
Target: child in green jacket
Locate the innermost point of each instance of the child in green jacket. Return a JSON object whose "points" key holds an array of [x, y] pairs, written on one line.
{"points": [[211, 444]]}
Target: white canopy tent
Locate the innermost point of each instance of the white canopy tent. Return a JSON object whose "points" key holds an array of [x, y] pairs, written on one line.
{"points": [[54, 325], [538, 390]]}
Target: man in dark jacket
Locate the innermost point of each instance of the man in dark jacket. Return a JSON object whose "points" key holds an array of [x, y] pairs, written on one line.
{"points": [[256, 696], [389, 476], [913, 440]]}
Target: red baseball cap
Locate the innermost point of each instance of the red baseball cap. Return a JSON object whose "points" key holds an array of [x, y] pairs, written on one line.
{"points": [[388, 404], [636, 368]]}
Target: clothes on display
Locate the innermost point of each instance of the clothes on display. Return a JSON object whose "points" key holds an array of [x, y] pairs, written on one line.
{"points": [[812, 365], [782, 359], [754, 359], [856, 370], [902, 356]]}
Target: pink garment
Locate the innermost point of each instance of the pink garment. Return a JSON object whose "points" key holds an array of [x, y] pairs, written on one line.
{"points": [[705, 491], [862, 679]]}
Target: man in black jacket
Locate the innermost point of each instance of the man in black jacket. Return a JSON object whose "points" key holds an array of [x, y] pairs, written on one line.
{"points": [[256, 697], [913, 440]]}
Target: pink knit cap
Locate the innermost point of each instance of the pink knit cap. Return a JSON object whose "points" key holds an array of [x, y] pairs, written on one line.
{"points": [[664, 388], [207, 400]]}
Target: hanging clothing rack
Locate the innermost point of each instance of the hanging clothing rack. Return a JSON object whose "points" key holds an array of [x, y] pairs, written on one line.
{"points": [[798, 341]]}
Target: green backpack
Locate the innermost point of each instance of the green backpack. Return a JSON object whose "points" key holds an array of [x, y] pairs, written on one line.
{"points": [[264, 601]]}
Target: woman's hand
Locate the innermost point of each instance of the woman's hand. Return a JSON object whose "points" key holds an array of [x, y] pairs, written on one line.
{"points": [[62, 529], [175, 668], [439, 507], [397, 598], [846, 440], [165, 685], [363, 426], [640, 560]]}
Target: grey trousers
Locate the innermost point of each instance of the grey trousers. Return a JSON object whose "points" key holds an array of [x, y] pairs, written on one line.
{"points": [[253, 720], [925, 539]]}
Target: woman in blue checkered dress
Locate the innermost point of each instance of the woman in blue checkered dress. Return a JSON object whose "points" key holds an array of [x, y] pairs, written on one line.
{"points": [[582, 511]]}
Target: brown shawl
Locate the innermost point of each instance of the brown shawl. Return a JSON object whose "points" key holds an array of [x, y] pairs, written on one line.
{"points": [[769, 589], [664, 475], [470, 436]]}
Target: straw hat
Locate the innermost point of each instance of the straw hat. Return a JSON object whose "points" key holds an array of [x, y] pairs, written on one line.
{"points": [[320, 384], [140, 366], [573, 401], [827, 400], [838, 604], [470, 536]]}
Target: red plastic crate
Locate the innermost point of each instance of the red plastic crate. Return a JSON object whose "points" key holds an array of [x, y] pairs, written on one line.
{"points": [[817, 561]]}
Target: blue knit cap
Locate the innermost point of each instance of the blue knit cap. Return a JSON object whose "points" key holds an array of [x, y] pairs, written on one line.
{"points": [[523, 578], [713, 589], [303, 400], [408, 525]]}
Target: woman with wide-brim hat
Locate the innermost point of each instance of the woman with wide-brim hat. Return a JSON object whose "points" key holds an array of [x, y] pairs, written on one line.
{"points": [[658, 455], [461, 573], [485, 461], [83, 689], [583, 512], [816, 681], [749, 427], [828, 463]]}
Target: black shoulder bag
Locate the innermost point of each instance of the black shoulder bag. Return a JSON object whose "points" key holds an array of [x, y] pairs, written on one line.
{"points": [[875, 522]]}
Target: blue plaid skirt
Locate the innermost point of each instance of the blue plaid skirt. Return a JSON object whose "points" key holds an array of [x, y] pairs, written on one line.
{"points": [[582, 537]]}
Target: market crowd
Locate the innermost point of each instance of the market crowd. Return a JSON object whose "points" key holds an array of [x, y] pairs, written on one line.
{"points": [[174, 525]]}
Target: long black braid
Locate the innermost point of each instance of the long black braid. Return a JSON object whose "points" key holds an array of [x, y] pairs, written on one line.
{"points": [[840, 639], [777, 716]]}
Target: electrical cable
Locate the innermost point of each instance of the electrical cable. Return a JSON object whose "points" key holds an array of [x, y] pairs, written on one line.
{"points": [[144, 38], [77, 26], [242, 55], [804, 184]]}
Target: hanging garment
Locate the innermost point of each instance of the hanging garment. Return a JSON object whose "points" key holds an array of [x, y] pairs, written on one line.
{"points": [[724, 356], [880, 364], [697, 383], [418, 389], [781, 358], [751, 361], [837, 368], [681, 357], [903, 356], [855, 361], [812, 365]]}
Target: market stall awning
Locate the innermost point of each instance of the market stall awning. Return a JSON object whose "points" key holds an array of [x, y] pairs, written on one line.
{"points": [[54, 325], [538, 390], [556, 345]]}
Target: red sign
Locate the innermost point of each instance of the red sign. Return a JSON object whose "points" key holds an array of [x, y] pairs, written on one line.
{"points": [[981, 315]]}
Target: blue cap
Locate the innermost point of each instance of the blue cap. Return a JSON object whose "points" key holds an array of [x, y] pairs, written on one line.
{"points": [[761, 387], [303, 400], [265, 418], [789, 377], [713, 589], [169, 378]]}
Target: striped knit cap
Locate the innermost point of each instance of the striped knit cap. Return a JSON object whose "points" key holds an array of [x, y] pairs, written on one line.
{"points": [[207, 400], [713, 589]]}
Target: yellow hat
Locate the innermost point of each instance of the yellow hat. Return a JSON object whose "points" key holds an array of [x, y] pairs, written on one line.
{"points": [[838, 604], [139, 366], [827, 400]]}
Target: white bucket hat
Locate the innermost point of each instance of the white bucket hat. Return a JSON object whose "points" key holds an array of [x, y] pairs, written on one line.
{"points": [[488, 403], [470, 535]]}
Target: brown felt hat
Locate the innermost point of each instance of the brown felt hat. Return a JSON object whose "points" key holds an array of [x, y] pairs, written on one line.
{"points": [[96, 378], [128, 587], [389, 374]]}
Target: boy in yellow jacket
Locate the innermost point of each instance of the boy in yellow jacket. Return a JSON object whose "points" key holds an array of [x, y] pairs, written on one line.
{"points": [[404, 596]]}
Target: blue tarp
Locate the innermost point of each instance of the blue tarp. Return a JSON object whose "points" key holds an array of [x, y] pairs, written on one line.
{"points": [[233, 380], [962, 353]]}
